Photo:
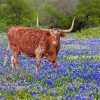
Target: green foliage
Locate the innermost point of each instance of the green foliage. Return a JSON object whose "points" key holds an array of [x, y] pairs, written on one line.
{"points": [[91, 32], [52, 13], [58, 19], [24, 95], [14, 95], [16, 12], [88, 12], [3, 26]]}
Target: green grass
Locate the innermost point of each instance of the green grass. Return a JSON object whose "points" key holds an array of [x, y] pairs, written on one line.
{"points": [[88, 33], [85, 33], [16, 94], [81, 59]]}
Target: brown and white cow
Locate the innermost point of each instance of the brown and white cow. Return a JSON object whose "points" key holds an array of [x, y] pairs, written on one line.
{"points": [[36, 43]]}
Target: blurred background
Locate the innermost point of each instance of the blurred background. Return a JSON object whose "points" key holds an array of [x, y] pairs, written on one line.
{"points": [[52, 13]]}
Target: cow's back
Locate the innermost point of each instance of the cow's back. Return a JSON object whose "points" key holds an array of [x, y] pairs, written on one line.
{"points": [[24, 40]]}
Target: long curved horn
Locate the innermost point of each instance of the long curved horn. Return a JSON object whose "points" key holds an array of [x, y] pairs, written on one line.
{"points": [[44, 29], [37, 21], [71, 28]]}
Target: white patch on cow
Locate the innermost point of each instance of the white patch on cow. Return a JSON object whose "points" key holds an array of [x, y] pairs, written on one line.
{"points": [[54, 42], [12, 61], [12, 58], [53, 32], [55, 36], [42, 50], [38, 50]]}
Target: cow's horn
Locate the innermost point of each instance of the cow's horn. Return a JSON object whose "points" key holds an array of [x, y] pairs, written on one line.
{"points": [[71, 28], [44, 29], [37, 21]]}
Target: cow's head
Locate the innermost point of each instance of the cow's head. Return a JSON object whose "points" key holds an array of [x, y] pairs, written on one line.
{"points": [[54, 41], [55, 35]]}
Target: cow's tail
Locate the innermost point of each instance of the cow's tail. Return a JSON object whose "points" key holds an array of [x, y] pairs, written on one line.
{"points": [[6, 56]]}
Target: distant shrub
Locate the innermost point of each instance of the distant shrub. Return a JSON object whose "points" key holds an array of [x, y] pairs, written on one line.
{"points": [[87, 33], [3, 26]]}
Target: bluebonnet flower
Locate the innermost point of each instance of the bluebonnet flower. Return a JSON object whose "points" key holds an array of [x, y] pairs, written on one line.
{"points": [[69, 97], [76, 65], [34, 93]]}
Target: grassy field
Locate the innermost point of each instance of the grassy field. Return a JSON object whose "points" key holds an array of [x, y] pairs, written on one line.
{"points": [[77, 76], [86, 33]]}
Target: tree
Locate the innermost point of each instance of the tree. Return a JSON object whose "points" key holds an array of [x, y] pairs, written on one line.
{"points": [[16, 12], [88, 12], [54, 13]]}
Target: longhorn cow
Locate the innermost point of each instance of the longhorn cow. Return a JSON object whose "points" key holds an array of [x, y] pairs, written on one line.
{"points": [[36, 43]]}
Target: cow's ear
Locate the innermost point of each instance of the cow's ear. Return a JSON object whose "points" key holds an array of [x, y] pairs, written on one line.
{"points": [[62, 34]]}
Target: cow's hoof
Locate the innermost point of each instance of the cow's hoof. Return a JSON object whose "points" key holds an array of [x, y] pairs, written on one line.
{"points": [[12, 67], [17, 68], [36, 70]]}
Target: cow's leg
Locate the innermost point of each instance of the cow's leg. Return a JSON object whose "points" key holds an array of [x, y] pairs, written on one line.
{"points": [[14, 58], [38, 59], [53, 60], [14, 61], [54, 63]]}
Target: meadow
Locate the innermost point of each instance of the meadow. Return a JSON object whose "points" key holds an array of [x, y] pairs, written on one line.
{"points": [[77, 76]]}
